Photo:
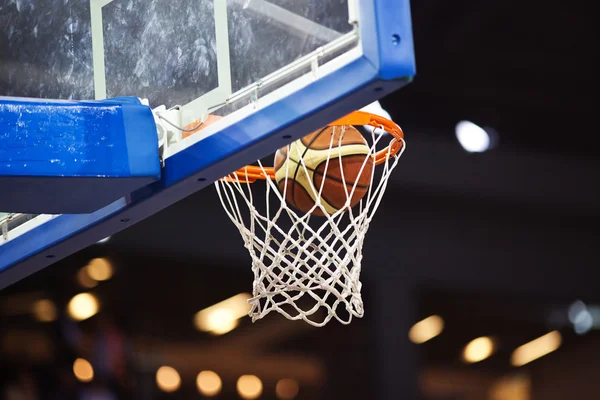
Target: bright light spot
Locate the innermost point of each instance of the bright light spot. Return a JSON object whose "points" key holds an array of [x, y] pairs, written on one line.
{"points": [[83, 306], [426, 329], [249, 387], [222, 321], [99, 269], [223, 317], [84, 279], [102, 241], [168, 379], [375, 108], [472, 138], [83, 370], [581, 317], [584, 323], [536, 348], [209, 383], [478, 349], [287, 389], [44, 310]]}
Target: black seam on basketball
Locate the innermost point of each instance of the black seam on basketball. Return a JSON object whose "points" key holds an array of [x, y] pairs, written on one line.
{"points": [[303, 154], [331, 177], [312, 141]]}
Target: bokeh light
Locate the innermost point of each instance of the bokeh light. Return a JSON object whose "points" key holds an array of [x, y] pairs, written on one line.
{"points": [[249, 387], [100, 269], [168, 379], [83, 306], [536, 349], [83, 370], [478, 349], [209, 383], [287, 389], [84, 279], [472, 137], [45, 310], [426, 329], [223, 317]]}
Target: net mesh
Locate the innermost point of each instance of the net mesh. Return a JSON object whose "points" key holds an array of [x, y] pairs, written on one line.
{"points": [[306, 266]]}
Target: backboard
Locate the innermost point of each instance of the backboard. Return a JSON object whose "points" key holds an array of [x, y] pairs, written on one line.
{"points": [[273, 69], [193, 53]]}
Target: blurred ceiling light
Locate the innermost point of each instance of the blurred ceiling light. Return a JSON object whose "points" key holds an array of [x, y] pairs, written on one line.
{"points": [[375, 108], [286, 389], [84, 279], [473, 138], [168, 379], [223, 317], [580, 317], [83, 370], [426, 329], [511, 388], [99, 269], [249, 387], [478, 349], [44, 310], [536, 348], [83, 306], [102, 241], [209, 383]]}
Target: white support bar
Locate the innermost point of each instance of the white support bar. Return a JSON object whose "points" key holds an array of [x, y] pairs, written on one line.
{"points": [[353, 12], [291, 22], [98, 47]]}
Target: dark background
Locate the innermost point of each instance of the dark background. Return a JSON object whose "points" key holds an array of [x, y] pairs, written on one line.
{"points": [[498, 243]]}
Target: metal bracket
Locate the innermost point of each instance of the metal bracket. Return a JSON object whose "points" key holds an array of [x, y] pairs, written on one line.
{"points": [[4, 227], [168, 128]]}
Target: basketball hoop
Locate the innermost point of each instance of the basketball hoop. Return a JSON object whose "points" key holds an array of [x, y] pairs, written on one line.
{"points": [[307, 266]]}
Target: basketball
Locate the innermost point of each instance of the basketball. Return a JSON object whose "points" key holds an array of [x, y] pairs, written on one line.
{"points": [[197, 126], [349, 152]]}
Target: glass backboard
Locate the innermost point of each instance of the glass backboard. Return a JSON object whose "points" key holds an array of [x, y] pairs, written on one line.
{"points": [[204, 55]]}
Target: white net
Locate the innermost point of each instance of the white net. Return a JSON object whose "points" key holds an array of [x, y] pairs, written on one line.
{"points": [[307, 266]]}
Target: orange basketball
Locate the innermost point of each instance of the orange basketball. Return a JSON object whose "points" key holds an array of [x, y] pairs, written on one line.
{"points": [[349, 152], [197, 126]]}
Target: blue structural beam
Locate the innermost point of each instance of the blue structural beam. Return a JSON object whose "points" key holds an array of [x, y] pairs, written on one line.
{"points": [[72, 157]]}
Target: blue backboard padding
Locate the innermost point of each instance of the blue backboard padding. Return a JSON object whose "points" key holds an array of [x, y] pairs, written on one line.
{"points": [[115, 138], [74, 156], [385, 66]]}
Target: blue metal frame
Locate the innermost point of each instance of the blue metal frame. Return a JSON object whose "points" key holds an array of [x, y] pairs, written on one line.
{"points": [[387, 64]]}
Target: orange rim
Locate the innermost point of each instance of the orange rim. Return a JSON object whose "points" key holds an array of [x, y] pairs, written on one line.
{"points": [[252, 173]]}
